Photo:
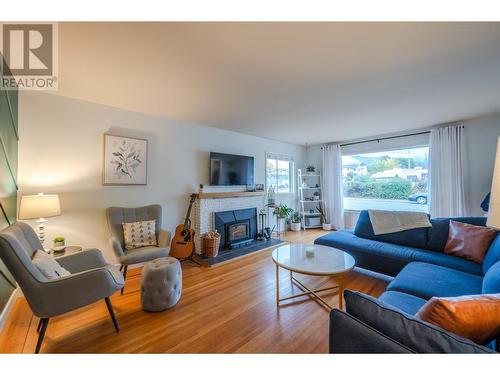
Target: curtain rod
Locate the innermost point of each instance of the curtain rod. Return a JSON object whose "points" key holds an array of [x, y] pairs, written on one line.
{"points": [[383, 138]]}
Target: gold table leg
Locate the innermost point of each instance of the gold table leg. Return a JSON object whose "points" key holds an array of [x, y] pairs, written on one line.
{"points": [[311, 293], [340, 283], [277, 285]]}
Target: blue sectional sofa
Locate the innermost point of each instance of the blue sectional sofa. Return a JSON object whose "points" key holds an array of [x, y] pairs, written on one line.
{"points": [[421, 270]]}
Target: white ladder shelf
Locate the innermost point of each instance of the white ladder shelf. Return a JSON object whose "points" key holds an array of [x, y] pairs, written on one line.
{"points": [[308, 184]]}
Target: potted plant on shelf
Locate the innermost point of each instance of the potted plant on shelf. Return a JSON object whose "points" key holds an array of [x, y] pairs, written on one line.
{"points": [[316, 196], [326, 223], [282, 212], [310, 169], [296, 221]]}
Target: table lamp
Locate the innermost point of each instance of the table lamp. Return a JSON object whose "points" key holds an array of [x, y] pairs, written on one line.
{"points": [[39, 207], [494, 209]]}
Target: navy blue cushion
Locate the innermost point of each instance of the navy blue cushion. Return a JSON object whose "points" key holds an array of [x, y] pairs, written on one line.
{"points": [[390, 258], [449, 261], [426, 280], [491, 282], [350, 335], [403, 301], [492, 255], [413, 333], [376, 256], [438, 234], [413, 237]]}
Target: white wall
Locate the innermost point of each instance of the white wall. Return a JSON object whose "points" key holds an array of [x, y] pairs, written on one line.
{"points": [[61, 147], [481, 135]]}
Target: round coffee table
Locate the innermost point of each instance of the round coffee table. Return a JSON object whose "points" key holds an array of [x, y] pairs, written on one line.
{"points": [[327, 261]]}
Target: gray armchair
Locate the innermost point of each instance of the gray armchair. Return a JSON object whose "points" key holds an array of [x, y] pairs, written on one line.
{"points": [[91, 279], [117, 216]]}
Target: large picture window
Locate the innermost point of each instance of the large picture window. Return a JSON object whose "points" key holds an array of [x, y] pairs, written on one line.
{"points": [[279, 173], [386, 180]]}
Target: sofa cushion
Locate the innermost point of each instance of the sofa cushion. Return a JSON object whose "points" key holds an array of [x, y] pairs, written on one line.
{"points": [[492, 255], [408, 303], [350, 335], [413, 237], [449, 261], [414, 334], [476, 317], [376, 256], [139, 234], [469, 241], [426, 280], [390, 258], [437, 235], [143, 254], [491, 281], [48, 266]]}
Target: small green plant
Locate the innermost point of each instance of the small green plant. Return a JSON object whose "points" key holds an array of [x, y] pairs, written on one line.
{"points": [[59, 239], [322, 213], [283, 211], [311, 168], [316, 194], [296, 218]]}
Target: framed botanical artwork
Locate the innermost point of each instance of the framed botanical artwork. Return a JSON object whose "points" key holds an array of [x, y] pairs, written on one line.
{"points": [[125, 160]]}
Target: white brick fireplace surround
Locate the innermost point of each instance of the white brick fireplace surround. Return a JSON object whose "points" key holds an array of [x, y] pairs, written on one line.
{"points": [[207, 204]]}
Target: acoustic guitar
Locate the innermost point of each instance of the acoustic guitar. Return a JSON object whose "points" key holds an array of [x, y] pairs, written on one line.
{"points": [[182, 246]]}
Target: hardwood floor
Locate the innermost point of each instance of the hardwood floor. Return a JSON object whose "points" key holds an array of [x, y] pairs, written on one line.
{"points": [[226, 309]]}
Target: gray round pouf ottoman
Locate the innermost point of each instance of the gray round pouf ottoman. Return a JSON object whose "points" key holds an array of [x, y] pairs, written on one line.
{"points": [[161, 284]]}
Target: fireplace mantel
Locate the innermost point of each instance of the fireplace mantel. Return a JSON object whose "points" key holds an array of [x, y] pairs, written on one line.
{"points": [[230, 194]]}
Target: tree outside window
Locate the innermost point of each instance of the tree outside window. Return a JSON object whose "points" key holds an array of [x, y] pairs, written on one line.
{"points": [[387, 180]]}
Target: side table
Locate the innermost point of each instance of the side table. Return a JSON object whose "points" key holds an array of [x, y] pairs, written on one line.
{"points": [[67, 251]]}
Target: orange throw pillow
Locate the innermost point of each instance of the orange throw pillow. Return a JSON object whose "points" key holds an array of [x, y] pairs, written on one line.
{"points": [[469, 241], [474, 317]]}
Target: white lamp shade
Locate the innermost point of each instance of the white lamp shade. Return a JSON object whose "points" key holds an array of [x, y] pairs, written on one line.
{"points": [[38, 206], [494, 208]]}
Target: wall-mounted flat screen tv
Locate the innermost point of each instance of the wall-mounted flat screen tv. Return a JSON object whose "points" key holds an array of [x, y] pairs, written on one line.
{"points": [[227, 169]]}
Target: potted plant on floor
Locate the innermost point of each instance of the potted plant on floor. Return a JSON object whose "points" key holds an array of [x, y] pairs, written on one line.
{"points": [[282, 212], [296, 221], [326, 222]]}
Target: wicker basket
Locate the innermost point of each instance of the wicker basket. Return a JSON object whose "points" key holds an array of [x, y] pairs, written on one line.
{"points": [[211, 246]]}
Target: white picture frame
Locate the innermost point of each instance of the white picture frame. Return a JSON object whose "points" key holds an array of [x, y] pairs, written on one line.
{"points": [[125, 160]]}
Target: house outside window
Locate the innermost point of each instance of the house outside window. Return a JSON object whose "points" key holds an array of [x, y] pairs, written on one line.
{"points": [[387, 180], [279, 173]]}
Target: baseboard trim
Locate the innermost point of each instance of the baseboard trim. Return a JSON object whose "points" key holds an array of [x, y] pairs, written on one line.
{"points": [[8, 307]]}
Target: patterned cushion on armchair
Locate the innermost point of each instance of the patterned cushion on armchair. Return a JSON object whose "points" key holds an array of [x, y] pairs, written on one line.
{"points": [[139, 234]]}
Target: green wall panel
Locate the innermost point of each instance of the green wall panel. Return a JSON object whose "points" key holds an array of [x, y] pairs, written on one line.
{"points": [[8, 175], [8, 137]]}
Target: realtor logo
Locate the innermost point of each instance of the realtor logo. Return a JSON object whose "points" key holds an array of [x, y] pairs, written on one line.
{"points": [[29, 56]]}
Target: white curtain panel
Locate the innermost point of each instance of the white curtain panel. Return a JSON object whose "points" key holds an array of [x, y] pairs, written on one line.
{"points": [[333, 197], [447, 163]]}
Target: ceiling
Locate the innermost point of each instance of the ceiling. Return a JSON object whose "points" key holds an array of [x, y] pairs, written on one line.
{"points": [[302, 83]]}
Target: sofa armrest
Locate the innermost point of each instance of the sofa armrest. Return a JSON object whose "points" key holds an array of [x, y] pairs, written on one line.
{"points": [[82, 261], [117, 247], [78, 290], [163, 238], [350, 335]]}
